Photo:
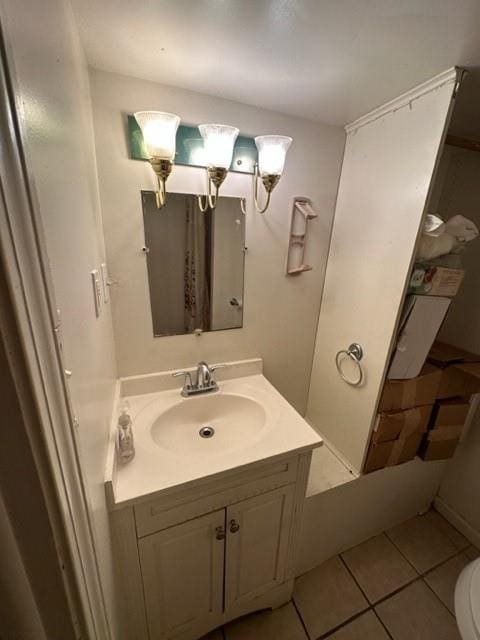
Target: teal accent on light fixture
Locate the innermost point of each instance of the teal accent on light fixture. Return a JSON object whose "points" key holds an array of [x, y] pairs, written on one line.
{"points": [[189, 148]]}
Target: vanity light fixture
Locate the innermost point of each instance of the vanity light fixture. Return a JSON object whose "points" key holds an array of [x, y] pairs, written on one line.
{"points": [[159, 131], [271, 160], [218, 141]]}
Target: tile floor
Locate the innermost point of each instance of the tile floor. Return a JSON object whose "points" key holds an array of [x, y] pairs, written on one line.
{"points": [[396, 586]]}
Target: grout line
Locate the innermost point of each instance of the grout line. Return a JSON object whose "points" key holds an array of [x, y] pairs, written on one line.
{"points": [[456, 551], [420, 577], [371, 606], [354, 579], [401, 552], [397, 591], [437, 566], [383, 598], [387, 597], [345, 622], [419, 573], [437, 598], [450, 525], [300, 617], [382, 623], [333, 630]]}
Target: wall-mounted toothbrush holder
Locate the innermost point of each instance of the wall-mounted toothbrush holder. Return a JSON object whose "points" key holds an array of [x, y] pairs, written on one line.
{"points": [[302, 212]]}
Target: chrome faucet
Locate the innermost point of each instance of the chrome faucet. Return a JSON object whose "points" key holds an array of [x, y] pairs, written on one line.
{"points": [[204, 379]]}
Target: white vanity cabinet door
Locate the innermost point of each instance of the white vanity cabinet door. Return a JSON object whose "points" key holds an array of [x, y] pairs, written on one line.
{"points": [[182, 569], [258, 533]]}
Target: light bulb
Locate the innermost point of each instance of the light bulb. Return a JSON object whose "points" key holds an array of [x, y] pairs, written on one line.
{"points": [[271, 154], [159, 133], [218, 140]]}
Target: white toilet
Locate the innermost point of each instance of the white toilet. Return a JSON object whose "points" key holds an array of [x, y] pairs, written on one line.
{"points": [[467, 601]]}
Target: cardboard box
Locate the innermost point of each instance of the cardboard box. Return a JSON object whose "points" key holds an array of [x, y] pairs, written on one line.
{"points": [[405, 394], [450, 412], [431, 280], [441, 450], [421, 320], [446, 426], [390, 426], [396, 437], [444, 355], [460, 380], [377, 456], [461, 370], [440, 444], [388, 454]]}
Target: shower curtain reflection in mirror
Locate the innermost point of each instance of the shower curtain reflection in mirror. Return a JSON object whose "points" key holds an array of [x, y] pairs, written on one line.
{"points": [[195, 264]]}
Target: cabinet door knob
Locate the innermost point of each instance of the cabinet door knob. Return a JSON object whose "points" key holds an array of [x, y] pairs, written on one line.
{"points": [[234, 526], [220, 533]]}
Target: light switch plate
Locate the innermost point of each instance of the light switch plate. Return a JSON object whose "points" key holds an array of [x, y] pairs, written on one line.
{"points": [[97, 292]]}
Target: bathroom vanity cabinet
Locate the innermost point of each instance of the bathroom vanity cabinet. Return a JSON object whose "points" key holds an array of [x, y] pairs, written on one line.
{"points": [[193, 558]]}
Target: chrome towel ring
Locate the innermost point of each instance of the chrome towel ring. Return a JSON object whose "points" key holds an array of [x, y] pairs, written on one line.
{"points": [[355, 353]]}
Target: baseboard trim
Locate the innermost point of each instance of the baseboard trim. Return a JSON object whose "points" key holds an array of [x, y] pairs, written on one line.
{"points": [[457, 521]]}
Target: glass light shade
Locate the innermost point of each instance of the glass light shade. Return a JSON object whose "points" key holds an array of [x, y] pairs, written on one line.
{"points": [[271, 154], [218, 140], [159, 133]]}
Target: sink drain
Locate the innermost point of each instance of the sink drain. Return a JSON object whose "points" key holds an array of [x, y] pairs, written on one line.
{"points": [[206, 432]]}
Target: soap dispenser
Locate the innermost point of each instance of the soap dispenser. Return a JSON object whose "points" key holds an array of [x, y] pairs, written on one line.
{"points": [[124, 438]]}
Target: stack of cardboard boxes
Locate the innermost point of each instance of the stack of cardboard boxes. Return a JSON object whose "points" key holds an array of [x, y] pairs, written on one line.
{"points": [[426, 398], [403, 418], [460, 380], [425, 415]]}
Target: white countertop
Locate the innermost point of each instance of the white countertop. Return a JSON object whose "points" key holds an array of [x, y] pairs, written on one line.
{"points": [[154, 469]]}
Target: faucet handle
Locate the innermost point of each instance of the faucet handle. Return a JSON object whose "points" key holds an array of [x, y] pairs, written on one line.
{"points": [[215, 367], [187, 383]]}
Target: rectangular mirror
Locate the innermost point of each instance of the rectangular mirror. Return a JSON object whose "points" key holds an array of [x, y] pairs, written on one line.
{"points": [[195, 264]]}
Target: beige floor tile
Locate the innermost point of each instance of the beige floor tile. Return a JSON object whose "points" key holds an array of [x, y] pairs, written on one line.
{"points": [[280, 624], [444, 578], [472, 552], [422, 543], [456, 538], [327, 596], [366, 627], [213, 635], [415, 613], [378, 567]]}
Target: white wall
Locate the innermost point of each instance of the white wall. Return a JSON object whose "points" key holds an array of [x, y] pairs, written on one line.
{"points": [[280, 312], [383, 190], [350, 513], [54, 104], [460, 193]]}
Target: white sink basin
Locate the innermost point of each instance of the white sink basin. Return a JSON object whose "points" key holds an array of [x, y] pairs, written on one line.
{"points": [[252, 423], [209, 425]]}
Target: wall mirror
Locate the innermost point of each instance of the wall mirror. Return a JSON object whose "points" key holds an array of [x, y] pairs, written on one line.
{"points": [[195, 264]]}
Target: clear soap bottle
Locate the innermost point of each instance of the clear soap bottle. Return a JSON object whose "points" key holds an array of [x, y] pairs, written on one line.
{"points": [[124, 439]]}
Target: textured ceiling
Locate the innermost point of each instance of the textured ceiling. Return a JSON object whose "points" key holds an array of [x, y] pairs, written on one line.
{"points": [[327, 60]]}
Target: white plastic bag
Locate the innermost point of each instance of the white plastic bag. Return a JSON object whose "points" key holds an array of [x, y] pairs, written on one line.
{"points": [[463, 229], [441, 238]]}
